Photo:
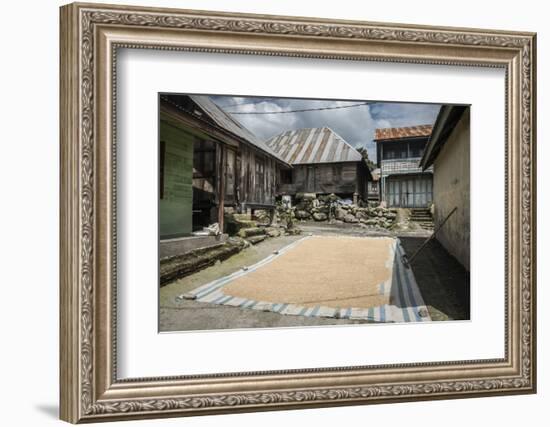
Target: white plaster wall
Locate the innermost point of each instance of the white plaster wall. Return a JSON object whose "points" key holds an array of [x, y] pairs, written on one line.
{"points": [[452, 189]]}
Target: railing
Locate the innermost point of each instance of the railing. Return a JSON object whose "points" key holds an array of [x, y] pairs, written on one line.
{"points": [[397, 166]]}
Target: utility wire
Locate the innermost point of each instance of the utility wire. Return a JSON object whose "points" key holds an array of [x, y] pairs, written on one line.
{"points": [[298, 111], [239, 104]]}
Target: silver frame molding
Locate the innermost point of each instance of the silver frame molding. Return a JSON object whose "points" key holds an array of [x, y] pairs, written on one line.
{"points": [[90, 37]]}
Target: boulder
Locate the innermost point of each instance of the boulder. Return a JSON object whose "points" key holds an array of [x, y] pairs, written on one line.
{"points": [[273, 232], [361, 214], [302, 214], [305, 196], [248, 232], [371, 212], [340, 213], [319, 216], [263, 216], [332, 197], [349, 218]]}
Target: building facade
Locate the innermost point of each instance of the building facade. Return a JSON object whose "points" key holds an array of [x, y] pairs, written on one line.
{"points": [[322, 163], [207, 162], [448, 153], [403, 183]]}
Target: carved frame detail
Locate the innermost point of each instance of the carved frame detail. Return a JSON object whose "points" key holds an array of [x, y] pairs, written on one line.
{"points": [[89, 387]]}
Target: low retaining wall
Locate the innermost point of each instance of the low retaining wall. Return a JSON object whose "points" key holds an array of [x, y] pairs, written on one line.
{"points": [[181, 245]]}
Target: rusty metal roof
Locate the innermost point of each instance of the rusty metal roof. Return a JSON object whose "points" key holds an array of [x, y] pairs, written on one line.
{"points": [[313, 145], [403, 132], [227, 122]]}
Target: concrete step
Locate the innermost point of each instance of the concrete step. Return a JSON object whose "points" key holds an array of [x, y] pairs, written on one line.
{"points": [[236, 222], [256, 239], [252, 231]]}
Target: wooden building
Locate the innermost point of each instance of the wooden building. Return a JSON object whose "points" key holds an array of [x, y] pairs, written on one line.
{"points": [[209, 161], [322, 162], [448, 153], [403, 183]]}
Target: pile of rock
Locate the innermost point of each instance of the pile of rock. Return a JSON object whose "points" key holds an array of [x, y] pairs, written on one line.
{"points": [[330, 207], [254, 231], [309, 206], [285, 217], [370, 217]]}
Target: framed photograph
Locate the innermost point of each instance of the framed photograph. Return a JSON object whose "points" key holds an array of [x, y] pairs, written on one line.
{"points": [[268, 212]]}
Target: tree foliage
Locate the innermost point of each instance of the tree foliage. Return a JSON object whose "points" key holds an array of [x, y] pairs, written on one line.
{"points": [[365, 154]]}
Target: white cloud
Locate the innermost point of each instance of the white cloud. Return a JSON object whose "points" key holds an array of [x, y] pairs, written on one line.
{"points": [[356, 125]]}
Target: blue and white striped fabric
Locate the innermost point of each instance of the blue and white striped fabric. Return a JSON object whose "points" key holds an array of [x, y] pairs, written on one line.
{"points": [[406, 302]]}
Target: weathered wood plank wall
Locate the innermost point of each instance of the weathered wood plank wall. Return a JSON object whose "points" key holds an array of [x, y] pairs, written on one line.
{"points": [[338, 178], [258, 177]]}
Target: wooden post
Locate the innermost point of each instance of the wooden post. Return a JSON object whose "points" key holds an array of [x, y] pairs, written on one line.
{"points": [[221, 190], [358, 177]]}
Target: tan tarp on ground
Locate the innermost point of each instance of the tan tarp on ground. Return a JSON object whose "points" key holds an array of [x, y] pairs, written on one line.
{"points": [[322, 270]]}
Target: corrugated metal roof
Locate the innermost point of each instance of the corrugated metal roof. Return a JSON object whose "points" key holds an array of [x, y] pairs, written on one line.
{"points": [[313, 145], [403, 132], [227, 122]]}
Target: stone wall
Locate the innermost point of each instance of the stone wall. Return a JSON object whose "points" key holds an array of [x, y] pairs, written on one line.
{"points": [[309, 206]]}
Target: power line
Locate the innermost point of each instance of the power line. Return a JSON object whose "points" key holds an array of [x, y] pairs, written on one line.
{"points": [[238, 104], [298, 111]]}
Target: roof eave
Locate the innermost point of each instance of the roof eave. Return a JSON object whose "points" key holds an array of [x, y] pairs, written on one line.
{"points": [[448, 115], [226, 132]]}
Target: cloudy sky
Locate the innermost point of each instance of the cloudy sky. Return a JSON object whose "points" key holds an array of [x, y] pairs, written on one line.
{"points": [[355, 124]]}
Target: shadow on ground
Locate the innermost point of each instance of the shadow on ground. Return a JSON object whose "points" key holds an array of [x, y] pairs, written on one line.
{"points": [[443, 282]]}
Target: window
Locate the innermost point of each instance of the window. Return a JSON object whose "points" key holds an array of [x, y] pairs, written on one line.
{"points": [[286, 176], [417, 148]]}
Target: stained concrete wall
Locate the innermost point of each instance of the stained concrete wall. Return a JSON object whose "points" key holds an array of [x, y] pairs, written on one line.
{"points": [[451, 187]]}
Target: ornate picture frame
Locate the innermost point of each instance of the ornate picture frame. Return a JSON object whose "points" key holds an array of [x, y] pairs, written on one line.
{"points": [[90, 37]]}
